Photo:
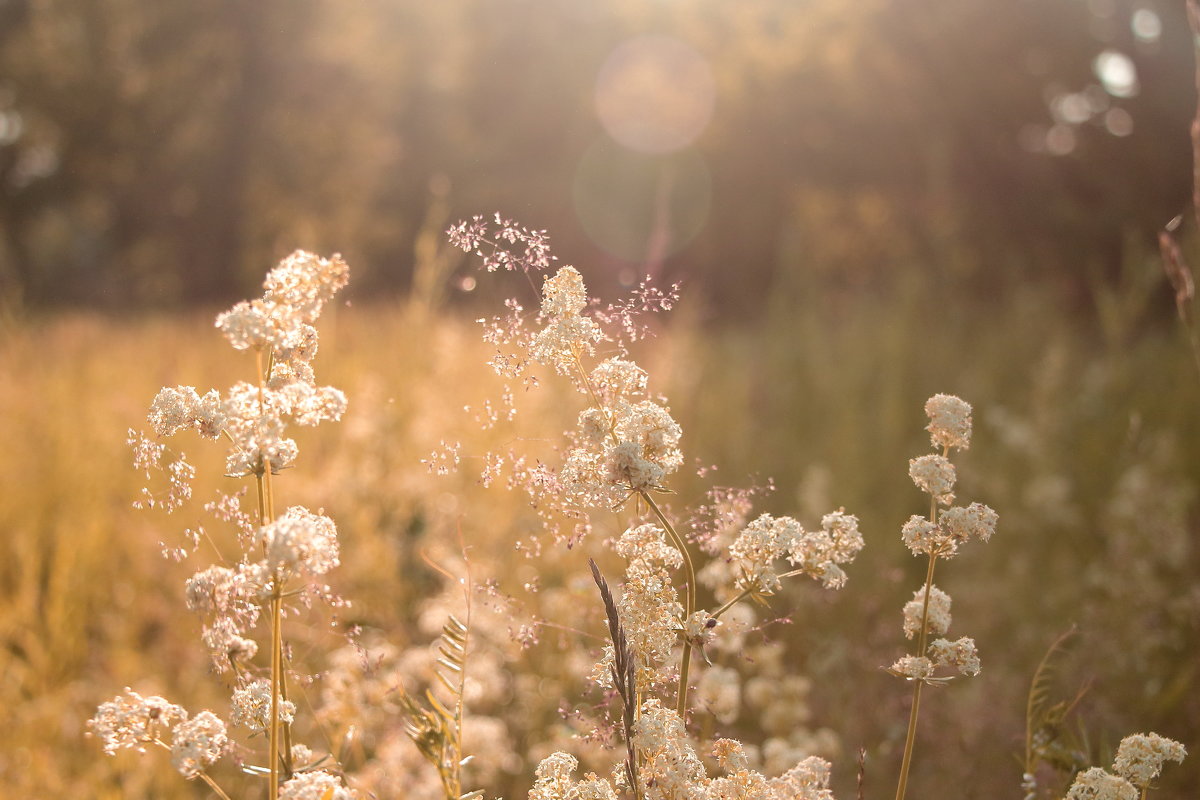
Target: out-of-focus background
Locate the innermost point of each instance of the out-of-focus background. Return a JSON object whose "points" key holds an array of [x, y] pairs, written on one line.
{"points": [[161, 153], [866, 203]]}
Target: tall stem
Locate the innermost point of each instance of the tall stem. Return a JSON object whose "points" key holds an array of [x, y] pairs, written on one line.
{"points": [[911, 737], [690, 595]]}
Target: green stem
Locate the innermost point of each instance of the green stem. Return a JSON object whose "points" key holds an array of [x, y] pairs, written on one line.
{"points": [[690, 595]]}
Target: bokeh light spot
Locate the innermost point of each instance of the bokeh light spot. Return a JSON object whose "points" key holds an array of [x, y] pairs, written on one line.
{"points": [[641, 207], [1146, 25], [1118, 122], [655, 94], [1117, 73]]}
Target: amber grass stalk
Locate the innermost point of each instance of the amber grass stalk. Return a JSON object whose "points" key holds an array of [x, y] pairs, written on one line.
{"points": [[911, 737], [266, 513]]}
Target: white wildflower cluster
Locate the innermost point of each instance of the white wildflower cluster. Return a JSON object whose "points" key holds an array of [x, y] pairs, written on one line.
{"points": [[649, 606], [568, 334], [768, 539], [198, 744], [279, 557], [670, 769], [131, 721], [939, 537], [1140, 759], [252, 706], [316, 785], [229, 601], [300, 544], [626, 444]]}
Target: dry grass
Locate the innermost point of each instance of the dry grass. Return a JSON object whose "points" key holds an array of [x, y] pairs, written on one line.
{"points": [[1088, 447]]}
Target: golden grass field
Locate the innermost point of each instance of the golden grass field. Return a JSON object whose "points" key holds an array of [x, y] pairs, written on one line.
{"points": [[1087, 443]]}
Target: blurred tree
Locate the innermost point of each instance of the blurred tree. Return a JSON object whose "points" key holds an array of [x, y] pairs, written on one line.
{"points": [[160, 153]]}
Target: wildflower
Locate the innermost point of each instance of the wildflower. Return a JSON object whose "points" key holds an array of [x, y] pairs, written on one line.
{"points": [[923, 537], [959, 654], [934, 475], [939, 612], [300, 543], [553, 777], [198, 744], [1096, 784], [758, 546], [1140, 757], [616, 379], [252, 706], [132, 721], [671, 769], [315, 785], [949, 421], [976, 521], [808, 780], [818, 553], [913, 667], [182, 407]]}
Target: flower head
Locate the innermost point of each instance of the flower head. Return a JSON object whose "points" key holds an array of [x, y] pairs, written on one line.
{"points": [[949, 421], [1140, 757], [198, 744]]}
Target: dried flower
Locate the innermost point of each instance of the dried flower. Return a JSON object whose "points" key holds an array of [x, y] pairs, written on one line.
{"points": [[252, 706], [949, 421], [132, 721], [939, 612], [1140, 757], [198, 743], [1096, 784], [959, 654], [934, 475], [315, 785]]}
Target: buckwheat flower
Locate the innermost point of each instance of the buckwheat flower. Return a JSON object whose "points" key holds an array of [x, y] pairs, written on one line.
{"points": [[300, 543], [934, 475], [819, 553], [671, 769], [808, 780], [758, 546], [564, 339], [1140, 757], [976, 521], [248, 324], [304, 282], [959, 654], [132, 721], [922, 537], [730, 755], [645, 547], [939, 612], [171, 410], [1096, 784], [913, 667], [616, 379], [949, 421], [315, 785], [252, 706], [627, 468], [593, 426], [652, 428], [553, 778], [563, 293], [198, 744]]}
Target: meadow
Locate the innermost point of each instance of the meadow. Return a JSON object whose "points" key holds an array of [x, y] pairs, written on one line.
{"points": [[1086, 442]]}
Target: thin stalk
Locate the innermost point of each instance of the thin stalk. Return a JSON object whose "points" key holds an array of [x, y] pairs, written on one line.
{"points": [[911, 737], [203, 775], [690, 595]]}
